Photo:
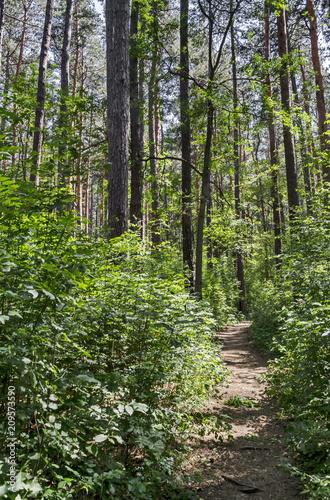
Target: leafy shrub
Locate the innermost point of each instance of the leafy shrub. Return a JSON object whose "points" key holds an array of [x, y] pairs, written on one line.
{"points": [[108, 354], [292, 318]]}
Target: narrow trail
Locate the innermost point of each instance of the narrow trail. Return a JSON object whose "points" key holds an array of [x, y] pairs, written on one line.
{"points": [[245, 466]]}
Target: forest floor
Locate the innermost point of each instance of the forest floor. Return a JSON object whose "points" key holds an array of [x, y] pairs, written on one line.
{"points": [[248, 462]]}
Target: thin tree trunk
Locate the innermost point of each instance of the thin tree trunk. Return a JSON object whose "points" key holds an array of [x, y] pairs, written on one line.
{"points": [[135, 114], [274, 161], [117, 35], [310, 137], [206, 174], [187, 234], [320, 100], [302, 142], [23, 37], [291, 172], [65, 72], [17, 73], [87, 192], [153, 134], [204, 198], [41, 94], [303, 145], [2, 12], [237, 169]]}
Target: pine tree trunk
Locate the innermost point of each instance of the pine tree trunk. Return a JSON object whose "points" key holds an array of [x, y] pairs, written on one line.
{"points": [[117, 37], [41, 94], [187, 234], [206, 175], [320, 100], [310, 138], [65, 72], [153, 135], [23, 37], [17, 73], [274, 162], [136, 118], [237, 169], [2, 12], [291, 172]]}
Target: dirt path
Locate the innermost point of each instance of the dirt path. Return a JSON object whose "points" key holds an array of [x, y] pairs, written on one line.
{"points": [[253, 455]]}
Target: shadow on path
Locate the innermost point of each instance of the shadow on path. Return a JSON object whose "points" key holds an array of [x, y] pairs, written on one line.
{"points": [[249, 460]]}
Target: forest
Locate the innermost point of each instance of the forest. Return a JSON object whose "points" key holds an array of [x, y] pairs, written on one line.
{"points": [[164, 173]]}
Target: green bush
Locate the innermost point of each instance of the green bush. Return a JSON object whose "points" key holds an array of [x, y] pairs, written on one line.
{"points": [[107, 353], [292, 318]]}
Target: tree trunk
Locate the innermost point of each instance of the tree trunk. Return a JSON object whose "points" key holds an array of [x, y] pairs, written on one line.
{"points": [[41, 94], [206, 174], [136, 118], [187, 234], [65, 72], [291, 172], [309, 131], [117, 37], [274, 162], [302, 136], [153, 123], [320, 101], [237, 169], [23, 37], [204, 199], [2, 12]]}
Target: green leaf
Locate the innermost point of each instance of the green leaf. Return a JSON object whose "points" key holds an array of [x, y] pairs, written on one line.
{"points": [[33, 292], [100, 438], [49, 294], [129, 410]]}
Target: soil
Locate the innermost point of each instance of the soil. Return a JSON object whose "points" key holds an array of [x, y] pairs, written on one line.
{"points": [[247, 463]]}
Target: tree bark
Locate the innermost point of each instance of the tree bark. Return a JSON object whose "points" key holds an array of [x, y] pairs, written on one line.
{"points": [[23, 37], [187, 234], [274, 162], [237, 169], [291, 172], [316, 173], [204, 199], [65, 73], [153, 123], [41, 94], [276, 208], [117, 38], [18, 71], [2, 12], [136, 118], [320, 100]]}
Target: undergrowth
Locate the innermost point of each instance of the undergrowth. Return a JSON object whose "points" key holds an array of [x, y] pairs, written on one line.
{"points": [[104, 357], [292, 322]]}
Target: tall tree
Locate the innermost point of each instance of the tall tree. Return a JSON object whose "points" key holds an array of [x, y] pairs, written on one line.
{"points": [[117, 38], [237, 170], [2, 12], [320, 99], [274, 160], [153, 125], [213, 65], [41, 93], [187, 234], [65, 72], [290, 163], [136, 121]]}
